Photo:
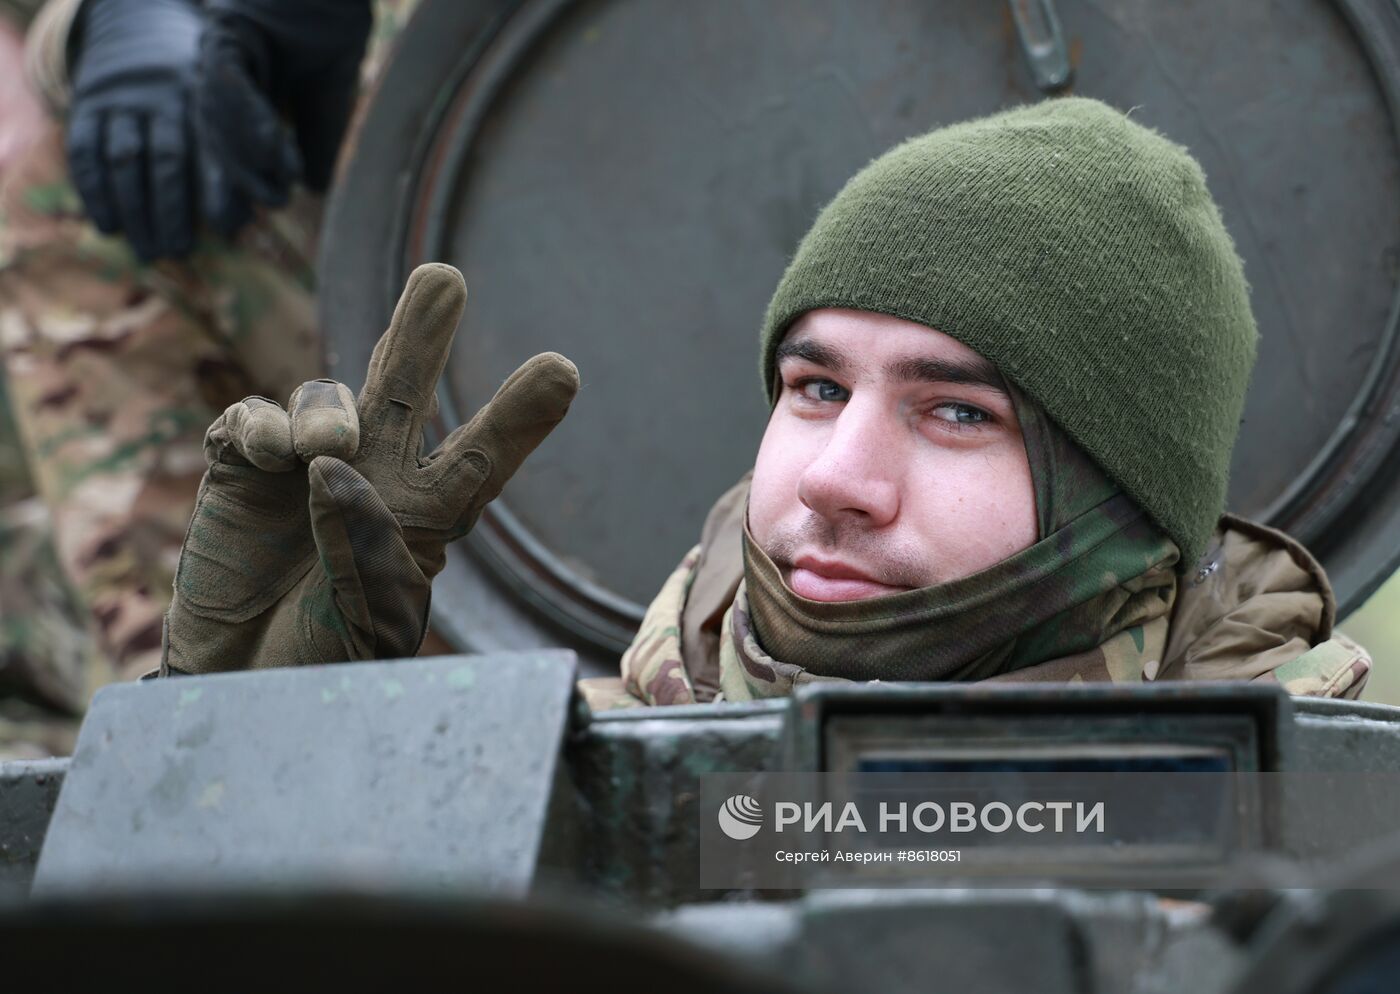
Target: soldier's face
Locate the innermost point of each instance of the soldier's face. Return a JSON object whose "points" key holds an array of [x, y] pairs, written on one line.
{"points": [[893, 460]]}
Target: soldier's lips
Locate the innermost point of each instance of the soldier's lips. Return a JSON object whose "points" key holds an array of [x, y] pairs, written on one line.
{"points": [[829, 580]]}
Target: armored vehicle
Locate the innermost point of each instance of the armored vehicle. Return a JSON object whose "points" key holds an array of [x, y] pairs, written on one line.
{"points": [[623, 181]]}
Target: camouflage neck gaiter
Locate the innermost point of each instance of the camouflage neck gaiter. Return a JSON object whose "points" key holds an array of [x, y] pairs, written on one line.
{"points": [[1100, 566]]}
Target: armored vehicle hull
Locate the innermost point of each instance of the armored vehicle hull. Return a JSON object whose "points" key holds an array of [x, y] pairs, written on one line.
{"points": [[453, 778]]}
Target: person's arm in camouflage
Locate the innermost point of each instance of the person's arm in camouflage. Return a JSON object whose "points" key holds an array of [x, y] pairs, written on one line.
{"points": [[319, 529]]}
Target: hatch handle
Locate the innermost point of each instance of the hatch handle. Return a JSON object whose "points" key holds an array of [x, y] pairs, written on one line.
{"points": [[1038, 27]]}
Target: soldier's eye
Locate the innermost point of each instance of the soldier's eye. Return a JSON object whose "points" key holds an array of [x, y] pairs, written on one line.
{"points": [[961, 415], [825, 391]]}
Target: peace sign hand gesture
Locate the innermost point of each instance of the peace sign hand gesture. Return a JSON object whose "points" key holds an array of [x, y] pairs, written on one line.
{"points": [[318, 529]]}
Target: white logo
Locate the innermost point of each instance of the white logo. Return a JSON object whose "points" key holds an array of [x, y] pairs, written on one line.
{"points": [[741, 817]]}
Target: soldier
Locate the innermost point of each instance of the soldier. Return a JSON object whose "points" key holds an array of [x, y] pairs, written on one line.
{"points": [[1006, 368]]}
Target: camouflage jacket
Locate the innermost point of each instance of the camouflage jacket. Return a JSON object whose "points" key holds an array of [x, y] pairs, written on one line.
{"points": [[1257, 606]]}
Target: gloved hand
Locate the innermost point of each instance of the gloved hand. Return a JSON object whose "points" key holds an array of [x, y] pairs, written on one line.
{"points": [[132, 148], [287, 563], [302, 55]]}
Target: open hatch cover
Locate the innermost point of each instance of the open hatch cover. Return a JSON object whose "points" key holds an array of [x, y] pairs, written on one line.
{"points": [[624, 182]]}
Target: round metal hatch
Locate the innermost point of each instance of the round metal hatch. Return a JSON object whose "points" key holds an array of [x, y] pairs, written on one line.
{"points": [[624, 181]]}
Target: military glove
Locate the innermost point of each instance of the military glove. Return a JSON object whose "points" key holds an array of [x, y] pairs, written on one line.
{"points": [[318, 529], [304, 55], [138, 160], [130, 144]]}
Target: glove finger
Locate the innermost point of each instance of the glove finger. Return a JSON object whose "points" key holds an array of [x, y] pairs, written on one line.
{"points": [[172, 217], [260, 153], [273, 151], [379, 589], [524, 411], [410, 356], [321, 113], [324, 420], [289, 167], [254, 431], [237, 121], [125, 148], [86, 168], [225, 208]]}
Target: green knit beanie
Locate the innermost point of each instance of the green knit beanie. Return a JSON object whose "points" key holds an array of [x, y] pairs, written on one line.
{"points": [[1082, 254]]}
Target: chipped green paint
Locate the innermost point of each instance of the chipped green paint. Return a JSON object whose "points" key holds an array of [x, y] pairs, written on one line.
{"points": [[698, 762], [212, 796], [330, 695], [190, 696], [462, 678], [393, 690]]}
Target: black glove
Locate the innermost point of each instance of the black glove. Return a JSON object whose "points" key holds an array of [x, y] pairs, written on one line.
{"points": [[133, 150], [305, 56], [130, 145]]}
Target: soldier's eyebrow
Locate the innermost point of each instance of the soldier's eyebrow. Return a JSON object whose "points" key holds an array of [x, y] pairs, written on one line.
{"points": [[927, 369], [974, 371], [826, 356]]}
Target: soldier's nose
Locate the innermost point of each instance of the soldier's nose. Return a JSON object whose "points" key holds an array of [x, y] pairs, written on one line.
{"points": [[852, 476]]}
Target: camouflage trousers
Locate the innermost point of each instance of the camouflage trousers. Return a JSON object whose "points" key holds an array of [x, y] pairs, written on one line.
{"points": [[114, 369]]}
